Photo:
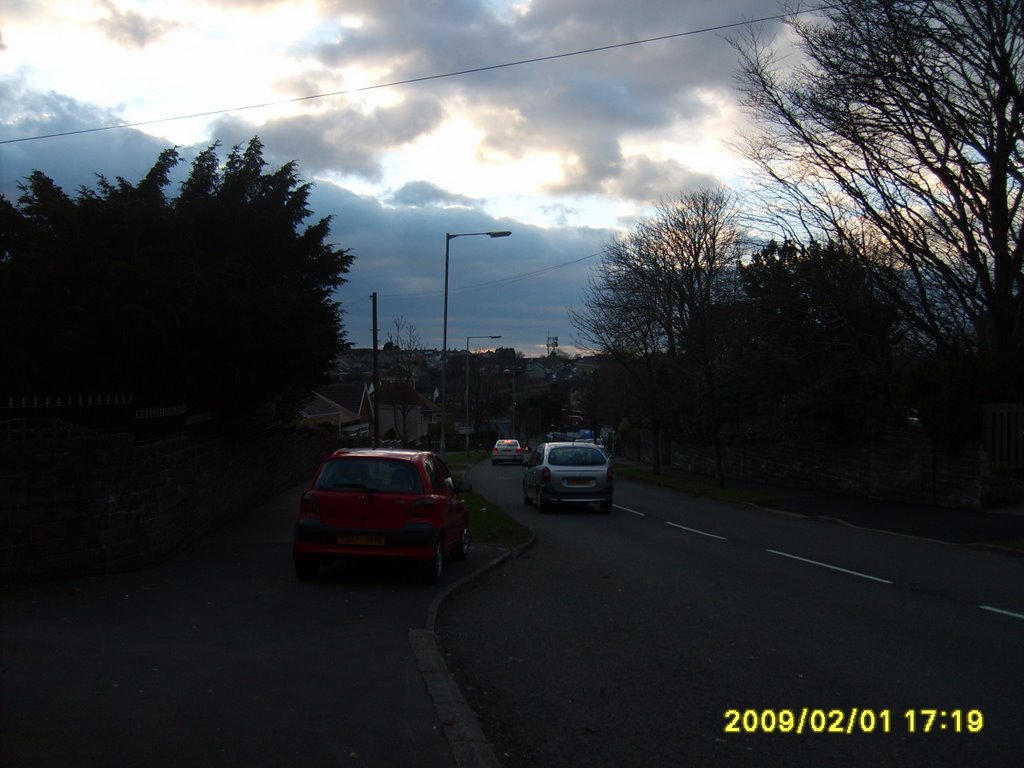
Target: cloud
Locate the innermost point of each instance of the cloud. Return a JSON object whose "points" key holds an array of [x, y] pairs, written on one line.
{"points": [[519, 286], [419, 193], [647, 179], [593, 137], [583, 109], [345, 140], [70, 162], [130, 28]]}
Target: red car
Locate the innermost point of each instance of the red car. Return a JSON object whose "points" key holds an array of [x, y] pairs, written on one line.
{"points": [[381, 503]]}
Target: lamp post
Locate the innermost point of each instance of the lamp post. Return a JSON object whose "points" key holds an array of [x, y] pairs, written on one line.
{"points": [[467, 382], [444, 340], [515, 435], [512, 370]]}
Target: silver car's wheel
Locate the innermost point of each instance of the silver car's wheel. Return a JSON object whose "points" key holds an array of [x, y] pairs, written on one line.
{"points": [[542, 507]]}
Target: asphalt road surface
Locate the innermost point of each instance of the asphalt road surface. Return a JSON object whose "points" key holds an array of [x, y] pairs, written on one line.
{"points": [[679, 632], [220, 657]]}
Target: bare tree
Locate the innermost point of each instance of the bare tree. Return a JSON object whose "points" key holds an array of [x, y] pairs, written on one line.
{"points": [[902, 133], [399, 387], [655, 303], [700, 238], [621, 318]]}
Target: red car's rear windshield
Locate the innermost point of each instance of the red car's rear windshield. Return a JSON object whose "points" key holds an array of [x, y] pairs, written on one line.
{"points": [[369, 474]]}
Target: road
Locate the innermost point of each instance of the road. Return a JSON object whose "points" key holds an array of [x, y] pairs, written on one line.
{"points": [[220, 657], [628, 639]]}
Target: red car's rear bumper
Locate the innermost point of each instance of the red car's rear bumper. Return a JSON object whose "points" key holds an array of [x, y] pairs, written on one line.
{"points": [[415, 541]]}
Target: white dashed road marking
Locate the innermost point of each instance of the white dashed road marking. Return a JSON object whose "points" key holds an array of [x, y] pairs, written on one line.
{"points": [[694, 530], [1001, 611], [638, 513], [631, 511], [826, 565]]}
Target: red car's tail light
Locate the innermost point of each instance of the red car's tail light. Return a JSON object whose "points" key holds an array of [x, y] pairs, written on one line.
{"points": [[545, 475], [494, 449], [421, 508], [309, 507], [608, 474]]}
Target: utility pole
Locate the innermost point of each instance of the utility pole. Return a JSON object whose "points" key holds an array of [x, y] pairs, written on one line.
{"points": [[376, 377]]}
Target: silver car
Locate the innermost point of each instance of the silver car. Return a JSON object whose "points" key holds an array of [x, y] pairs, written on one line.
{"points": [[507, 450], [561, 474]]}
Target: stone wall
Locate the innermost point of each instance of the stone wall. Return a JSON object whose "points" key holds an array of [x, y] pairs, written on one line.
{"points": [[903, 466], [102, 503]]}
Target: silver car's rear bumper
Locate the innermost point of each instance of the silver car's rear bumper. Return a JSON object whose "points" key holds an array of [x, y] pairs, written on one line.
{"points": [[551, 497]]}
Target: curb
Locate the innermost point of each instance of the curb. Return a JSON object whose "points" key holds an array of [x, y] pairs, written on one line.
{"points": [[466, 738]]}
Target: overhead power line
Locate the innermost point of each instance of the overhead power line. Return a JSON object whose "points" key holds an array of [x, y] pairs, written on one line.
{"points": [[413, 80], [497, 282]]}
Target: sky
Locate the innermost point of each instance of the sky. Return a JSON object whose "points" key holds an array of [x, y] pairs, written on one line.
{"points": [[412, 118]]}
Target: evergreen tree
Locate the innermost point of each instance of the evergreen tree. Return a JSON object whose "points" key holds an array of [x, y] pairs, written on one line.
{"points": [[221, 297]]}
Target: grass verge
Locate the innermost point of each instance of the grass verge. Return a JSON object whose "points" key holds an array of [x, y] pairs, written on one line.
{"points": [[488, 523], [696, 486]]}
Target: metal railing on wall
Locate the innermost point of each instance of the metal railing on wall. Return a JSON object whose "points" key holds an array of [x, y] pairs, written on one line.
{"points": [[42, 417]]}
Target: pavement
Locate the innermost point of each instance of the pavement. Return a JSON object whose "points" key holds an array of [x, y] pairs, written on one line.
{"points": [[469, 745], [999, 529]]}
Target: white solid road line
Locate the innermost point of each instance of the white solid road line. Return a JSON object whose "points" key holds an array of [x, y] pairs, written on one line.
{"points": [[1001, 611], [826, 565], [694, 530]]}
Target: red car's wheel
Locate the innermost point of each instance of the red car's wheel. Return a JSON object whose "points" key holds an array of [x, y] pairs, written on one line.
{"points": [[462, 548], [433, 572]]}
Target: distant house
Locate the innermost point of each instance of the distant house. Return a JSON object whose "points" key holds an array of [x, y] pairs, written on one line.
{"points": [[354, 365], [337, 405], [535, 371], [404, 413]]}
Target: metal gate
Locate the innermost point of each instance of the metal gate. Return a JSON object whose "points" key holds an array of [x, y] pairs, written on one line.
{"points": [[1004, 437]]}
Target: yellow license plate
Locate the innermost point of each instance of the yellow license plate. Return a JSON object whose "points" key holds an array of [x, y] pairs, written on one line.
{"points": [[365, 540], [577, 481]]}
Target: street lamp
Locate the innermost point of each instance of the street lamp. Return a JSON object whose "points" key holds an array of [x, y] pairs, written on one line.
{"points": [[513, 372], [444, 340], [467, 382]]}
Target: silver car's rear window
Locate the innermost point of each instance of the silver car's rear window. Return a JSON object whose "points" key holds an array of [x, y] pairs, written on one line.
{"points": [[574, 456]]}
